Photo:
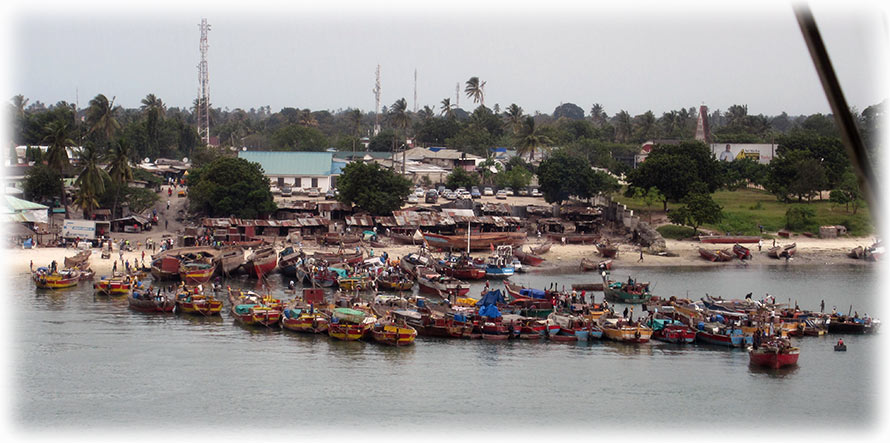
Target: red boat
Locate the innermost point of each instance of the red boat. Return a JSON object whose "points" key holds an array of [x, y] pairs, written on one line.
{"points": [[196, 273], [672, 332], [528, 259], [435, 283], [478, 241], [729, 239], [775, 354], [494, 330], [741, 252], [715, 256], [461, 268], [262, 262]]}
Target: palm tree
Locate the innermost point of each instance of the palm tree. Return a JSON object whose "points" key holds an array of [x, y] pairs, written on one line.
{"points": [[598, 114], [447, 108], [530, 140], [398, 114], [58, 137], [426, 113], [623, 126], [100, 117], [19, 102], [514, 117], [153, 108], [120, 172], [476, 90], [90, 181], [645, 125], [355, 117]]}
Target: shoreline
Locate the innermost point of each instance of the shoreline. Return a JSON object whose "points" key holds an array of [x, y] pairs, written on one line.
{"points": [[561, 259]]}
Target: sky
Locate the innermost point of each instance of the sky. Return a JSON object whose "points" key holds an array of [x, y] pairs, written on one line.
{"points": [[635, 56]]}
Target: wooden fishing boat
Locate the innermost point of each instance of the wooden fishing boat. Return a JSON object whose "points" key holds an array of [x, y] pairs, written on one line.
{"points": [[305, 319], [333, 238], [840, 347], [716, 255], [393, 334], [462, 268], [786, 251], [720, 335], [528, 259], [436, 324], [79, 259], [540, 249], [350, 258], [288, 260], [144, 301], [405, 239], [478, 241], [229, 259], [606, 250], [354, 283], [587, 286], [626, 292], [117, 284], [350, 324], [574, 238], [570, 325], [729, 239], [776, 353], [165, 268], [196, 272], [494, 330], [857, 253], [45, 279], [251, 309], [435, 283], [741, 252], [595, 265], [261, 262], [671, 331], [394, 283], [616, 330], [191, 302], [842, 324]]}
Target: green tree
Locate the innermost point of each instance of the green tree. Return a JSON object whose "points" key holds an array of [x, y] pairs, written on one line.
{"points": [[799, 217], [101, 118], [153, 109], [230, 187], [530, 139], [517, 177], [91, 181], [42, 183], [675, 169], [460, 178], [297, 137], [564, 175], [650, 197], [447, 108], [475, 89], [58, 138], [700, 209], [372, 188], [513, 117], [847, 192], [120, 171], [568, 110]]}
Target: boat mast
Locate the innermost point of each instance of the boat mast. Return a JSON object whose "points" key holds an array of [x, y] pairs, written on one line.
{"points": [[468, 237]]}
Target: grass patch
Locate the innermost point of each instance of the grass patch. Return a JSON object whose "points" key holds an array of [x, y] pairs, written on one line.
{"points": [[675, 232]]}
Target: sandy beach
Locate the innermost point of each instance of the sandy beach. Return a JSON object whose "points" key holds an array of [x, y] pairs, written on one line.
{"points": [[560, 258]]}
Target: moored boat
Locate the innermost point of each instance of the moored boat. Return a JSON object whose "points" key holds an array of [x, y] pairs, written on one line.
{"points": [[261, 262], [671, 331], [776, 353], [46, 279], [250, 309], [196, 272], [192, 301], [117, 284], [626, 292], [144, 301], [393, 334], [350, 324], [620, 330]]}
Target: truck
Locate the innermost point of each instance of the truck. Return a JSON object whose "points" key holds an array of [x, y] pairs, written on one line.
{"points": [[85, 229]]}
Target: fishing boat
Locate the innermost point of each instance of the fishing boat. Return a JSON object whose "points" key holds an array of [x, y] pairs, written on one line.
{"points": [[79, 260], [570, 325], [229, 259], [730, 239], [786, 251], [607, 250], [350, 258], [355, 283], [305, 319], [144, 301], [721, 335], [191, 301], [251, 309], [323, 277], [741, 252], [165, 268], [541, 249], [350, 324], [845, 324], [776, 353], [393, 334], [498, 268], [671, 331], [840, 346], [528, 259], [196, 272], [117, 284], [626, 292], [288, 260], [619, 330], [857, 253], [477, 241], [432, 282], [715, 255], [460, 267], [574, 237], [261, 262], [46, 279], [595, 265], [394, 283], [494, 329]]}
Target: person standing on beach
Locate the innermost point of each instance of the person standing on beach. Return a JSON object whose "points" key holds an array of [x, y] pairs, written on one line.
{"points": [[641, 255], [822, 306], [759, 245]]}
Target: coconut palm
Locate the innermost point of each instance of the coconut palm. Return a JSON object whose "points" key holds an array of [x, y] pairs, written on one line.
{"points": [[120, 172], [447, 108], [426, 113], [58, 138], [598, 114], [513, 117], [355, 117], [623, 126], [529, 139], [475, 89], [19, 102], [645, 125], [398, 115], [100, 117], [153, 108], [90, 181]]}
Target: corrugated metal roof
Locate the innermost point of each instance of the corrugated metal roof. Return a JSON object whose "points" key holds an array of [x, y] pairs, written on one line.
{"points": [[360, 220], [333, 206], [535, 209], [497, 208], [291, 163], [18, 205]]}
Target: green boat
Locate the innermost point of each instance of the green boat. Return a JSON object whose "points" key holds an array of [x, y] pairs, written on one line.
{"points": [[630, 291]]}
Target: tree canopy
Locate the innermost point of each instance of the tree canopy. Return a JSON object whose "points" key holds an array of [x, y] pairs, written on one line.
{"points": [[230, 187], [564, 175], [675, 169], [372, 188]]}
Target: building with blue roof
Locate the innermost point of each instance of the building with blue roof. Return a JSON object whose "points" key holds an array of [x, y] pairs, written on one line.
{"points": [[297, 169]]}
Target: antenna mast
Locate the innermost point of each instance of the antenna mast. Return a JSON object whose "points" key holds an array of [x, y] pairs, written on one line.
{"points": [[377, 103], [415, 90], [457, 95], [203, 105]]}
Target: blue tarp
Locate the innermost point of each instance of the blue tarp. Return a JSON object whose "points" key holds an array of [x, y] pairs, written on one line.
{"points": [[492, 297], [489, 311], [460, 317], [340, 272], [534, 293]]}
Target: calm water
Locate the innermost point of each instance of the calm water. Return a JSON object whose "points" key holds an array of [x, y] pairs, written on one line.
{"points": [[81, 361]]}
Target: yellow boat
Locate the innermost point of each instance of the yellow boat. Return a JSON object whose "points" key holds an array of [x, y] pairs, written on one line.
{"points": [[614, 330], [390, 334], [66, 278], [354, 283]]}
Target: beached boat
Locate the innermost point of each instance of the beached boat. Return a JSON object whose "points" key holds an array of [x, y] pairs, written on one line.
{"points": [[196, 272], [229, 259], [574, 238], [607, 250], [626, 292], [715, 255], [45, 279], [261, 262], [477, 241], [595, 265], [541, 249], [144, 301], [786, 251], [857, 253], [80, 260], [528, 259], [729, 239], [191, 301], [776, 353], [741, 252], [350, 258], [393, 334]]}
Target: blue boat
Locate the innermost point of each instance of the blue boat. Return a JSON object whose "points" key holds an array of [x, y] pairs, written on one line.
{"points": [[494, 271]]}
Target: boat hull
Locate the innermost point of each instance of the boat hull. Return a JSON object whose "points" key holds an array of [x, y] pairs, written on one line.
{"points": [[774, 359]]}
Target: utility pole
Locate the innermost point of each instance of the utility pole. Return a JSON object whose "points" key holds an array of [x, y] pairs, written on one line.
{"points": [[457, 95], [377, 103], [203, 107], [415, 90]]}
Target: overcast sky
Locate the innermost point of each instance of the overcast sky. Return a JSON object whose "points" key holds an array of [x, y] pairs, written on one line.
{"points": [[537, 55]]}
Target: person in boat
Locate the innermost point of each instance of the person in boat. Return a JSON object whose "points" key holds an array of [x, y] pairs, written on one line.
{"points": [[840, 342], [625, 312], [291, 285]]}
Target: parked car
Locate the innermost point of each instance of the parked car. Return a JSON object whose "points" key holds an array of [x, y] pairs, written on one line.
{"points": [[487, 191], [460, 190], [419, 192], [287, 191], [431, 196], [450, 195], [313, 192], [412, 198], [475, 193], [441, 189], [501, 195], [536, 192], [523, 191], [331, 194], [181, 193], [509, 191], [464, 195]]}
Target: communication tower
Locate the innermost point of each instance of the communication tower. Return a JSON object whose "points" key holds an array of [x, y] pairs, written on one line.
{"points": [[415, 90], [203, 105], [377, 103]]}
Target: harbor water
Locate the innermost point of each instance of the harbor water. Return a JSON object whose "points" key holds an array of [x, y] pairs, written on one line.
{"points": [[86, 361]]}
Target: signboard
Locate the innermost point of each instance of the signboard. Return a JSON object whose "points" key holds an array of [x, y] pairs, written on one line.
{"points": [[759, 152], [79, 228]]}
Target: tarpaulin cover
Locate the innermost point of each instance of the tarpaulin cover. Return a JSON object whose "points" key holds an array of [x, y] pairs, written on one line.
{"points": [[243, 309], [490, 311], [341, 272], [491, 298], [534, 293]]}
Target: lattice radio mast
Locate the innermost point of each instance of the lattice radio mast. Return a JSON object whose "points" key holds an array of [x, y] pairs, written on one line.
{"points": [[203, 107], [415, 90], [377, 103], [457, 95]]}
